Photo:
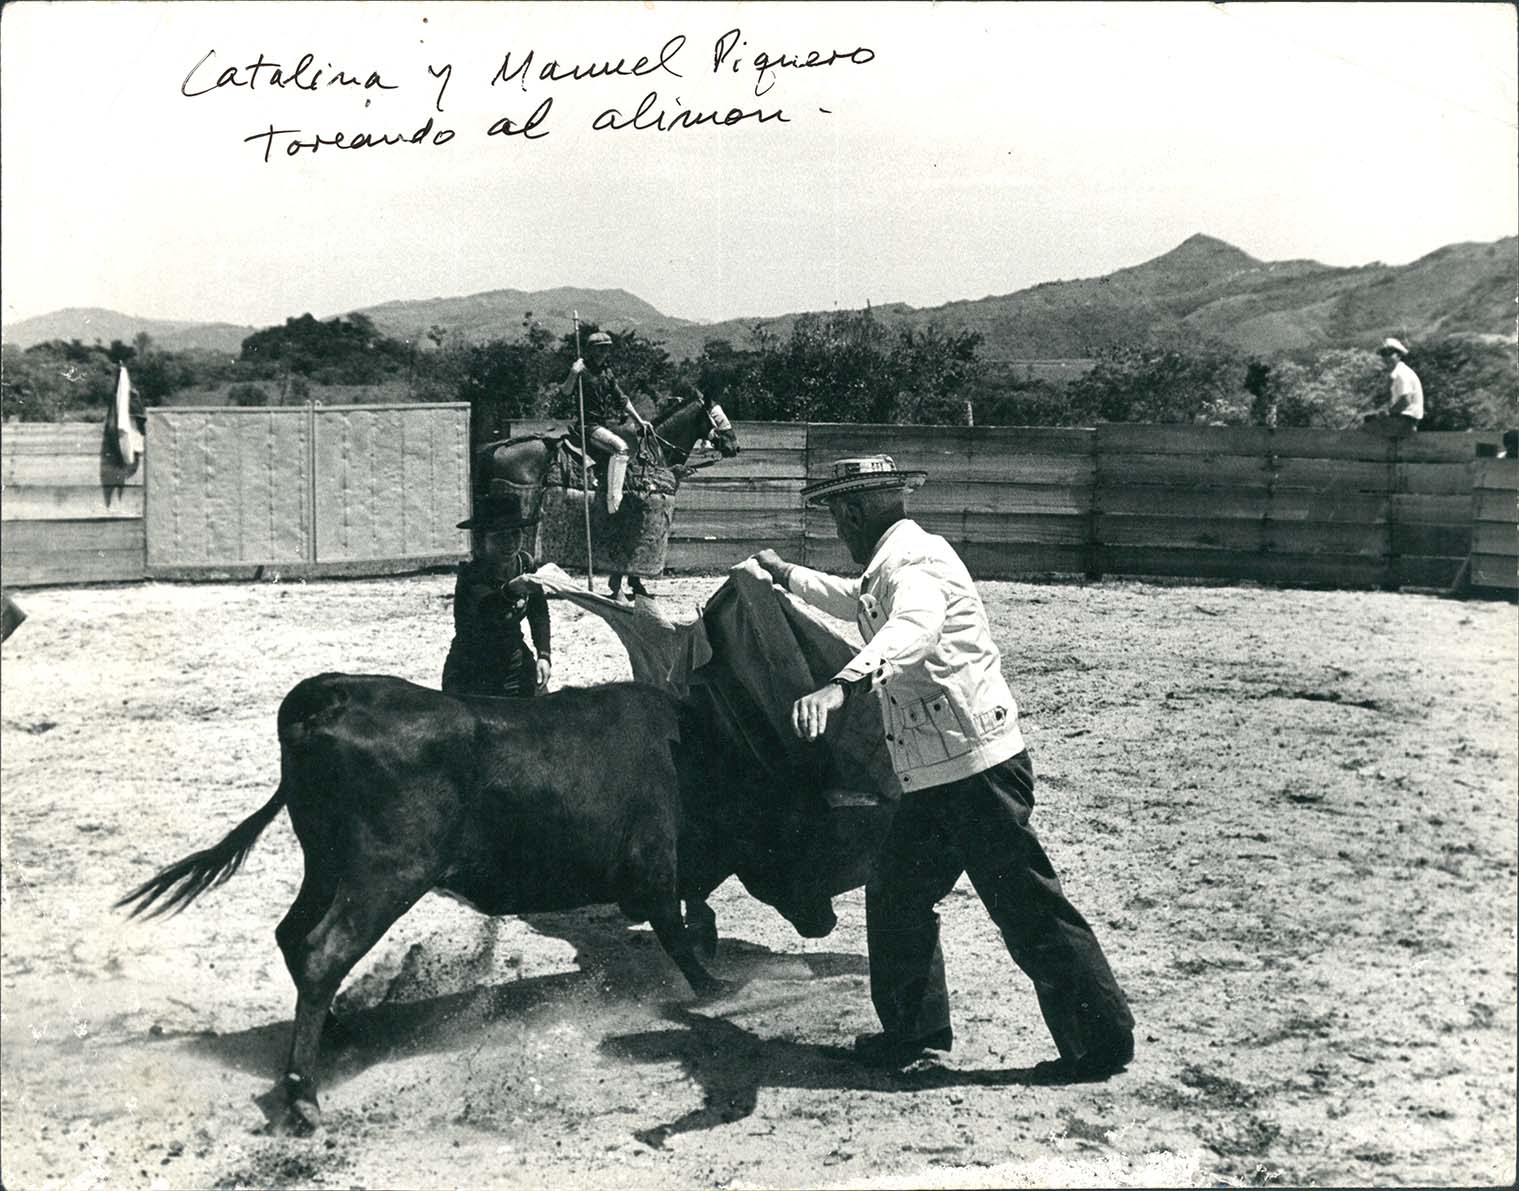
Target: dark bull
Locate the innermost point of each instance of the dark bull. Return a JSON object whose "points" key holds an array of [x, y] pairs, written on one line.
{"points": [[606, 795]]}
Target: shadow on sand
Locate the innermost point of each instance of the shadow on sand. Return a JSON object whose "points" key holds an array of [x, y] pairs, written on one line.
{"points": [[379, 1017], [729, 1063]]}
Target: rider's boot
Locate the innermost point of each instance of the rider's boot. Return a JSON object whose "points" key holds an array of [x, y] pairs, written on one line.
{"points": [[617, 472]]}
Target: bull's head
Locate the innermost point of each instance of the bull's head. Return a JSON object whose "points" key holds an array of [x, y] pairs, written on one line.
{"points": [[795, 895]]}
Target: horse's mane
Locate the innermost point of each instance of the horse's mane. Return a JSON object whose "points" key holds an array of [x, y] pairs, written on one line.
{"points": [[674, 406]]}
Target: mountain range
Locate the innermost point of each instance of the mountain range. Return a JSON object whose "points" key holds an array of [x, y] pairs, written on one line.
{"points": [[1201, 290]]}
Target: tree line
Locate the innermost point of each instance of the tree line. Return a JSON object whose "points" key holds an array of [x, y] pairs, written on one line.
{"points": [[843, 366]]}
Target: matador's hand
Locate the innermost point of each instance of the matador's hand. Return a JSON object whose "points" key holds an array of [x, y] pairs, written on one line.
{"points": [[809, 714]]}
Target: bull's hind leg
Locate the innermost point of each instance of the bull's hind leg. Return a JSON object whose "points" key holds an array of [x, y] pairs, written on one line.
{"points": [[356, 914]]}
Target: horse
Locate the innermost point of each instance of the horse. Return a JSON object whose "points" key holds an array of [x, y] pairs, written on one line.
{"points": [[525, 464]]}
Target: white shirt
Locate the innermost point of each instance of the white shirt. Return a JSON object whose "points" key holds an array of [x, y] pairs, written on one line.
{"points": [[1405, 383]]}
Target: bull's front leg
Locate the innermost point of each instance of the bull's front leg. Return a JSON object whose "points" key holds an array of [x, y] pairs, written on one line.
{"points": [[701, 928], [665, 918]]}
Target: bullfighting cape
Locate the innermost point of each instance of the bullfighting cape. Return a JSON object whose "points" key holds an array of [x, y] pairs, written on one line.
{"points": [[750, 653], [126, 438]]}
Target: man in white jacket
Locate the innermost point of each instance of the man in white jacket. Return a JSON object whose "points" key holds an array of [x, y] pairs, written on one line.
{"points": [[952, 729]]}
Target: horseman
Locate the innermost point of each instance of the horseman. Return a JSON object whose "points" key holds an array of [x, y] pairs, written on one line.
{"points": [[606, 406], [488, 655]]}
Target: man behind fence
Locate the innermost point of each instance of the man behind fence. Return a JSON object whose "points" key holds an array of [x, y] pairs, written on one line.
{"points": [[1405, 392], [952, 730]]}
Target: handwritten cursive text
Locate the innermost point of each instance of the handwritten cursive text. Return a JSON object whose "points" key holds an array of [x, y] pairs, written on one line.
{"points": [[302, 78], [765, 65]]}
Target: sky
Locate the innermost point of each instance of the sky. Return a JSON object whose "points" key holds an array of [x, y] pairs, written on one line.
{"points": [[948, 151]]}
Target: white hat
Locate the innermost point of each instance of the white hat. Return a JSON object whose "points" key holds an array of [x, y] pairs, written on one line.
{"points": [[1392, 345], [869, 473]]}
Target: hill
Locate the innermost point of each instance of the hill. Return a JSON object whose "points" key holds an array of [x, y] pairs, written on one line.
{"points": [[91, 323], [1203, 290], [1209, 290], [500, 314]]}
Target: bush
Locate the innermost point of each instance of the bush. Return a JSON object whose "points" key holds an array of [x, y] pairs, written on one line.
{"points": [[1135, 383], [1470, 382], [51, 381], [247, 395]]}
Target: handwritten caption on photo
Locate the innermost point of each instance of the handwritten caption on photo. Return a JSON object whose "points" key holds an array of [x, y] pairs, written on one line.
{"points": [[527, 74]]}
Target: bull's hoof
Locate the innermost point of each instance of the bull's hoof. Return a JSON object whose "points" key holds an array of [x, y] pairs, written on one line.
{"points": [[301, 1117]]}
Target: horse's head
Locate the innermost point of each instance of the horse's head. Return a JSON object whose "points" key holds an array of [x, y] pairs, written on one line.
{"points": [[721, 433], [694, 422]]}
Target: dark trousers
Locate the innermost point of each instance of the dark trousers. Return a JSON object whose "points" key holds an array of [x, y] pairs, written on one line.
{"points": [[980, 826]]}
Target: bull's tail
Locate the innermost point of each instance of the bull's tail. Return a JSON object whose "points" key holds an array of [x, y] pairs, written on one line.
{"points": [[309, 705], [202, 870]]}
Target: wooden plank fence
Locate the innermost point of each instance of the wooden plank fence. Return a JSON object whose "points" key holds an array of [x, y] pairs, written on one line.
{"points": [[1298, 507], [70, 512], [1495, 525]]}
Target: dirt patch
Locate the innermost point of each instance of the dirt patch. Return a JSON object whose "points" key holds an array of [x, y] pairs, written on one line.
{"points": [[1290, 820]]}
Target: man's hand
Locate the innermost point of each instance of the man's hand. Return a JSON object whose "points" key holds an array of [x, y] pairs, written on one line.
{"points": [[577, 367], [777, 567], [809, 714], [545, 668]]}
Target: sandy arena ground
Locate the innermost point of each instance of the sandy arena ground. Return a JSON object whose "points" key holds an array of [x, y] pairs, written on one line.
{"points": [[1289, 815]]}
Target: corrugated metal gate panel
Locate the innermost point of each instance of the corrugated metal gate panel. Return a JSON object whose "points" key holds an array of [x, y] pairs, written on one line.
{"points": [[349, 484], [228, 486], [391, 482]]}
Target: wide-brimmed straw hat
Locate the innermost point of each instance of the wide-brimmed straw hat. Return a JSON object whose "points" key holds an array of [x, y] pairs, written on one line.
{"points": [[868, 473], [1392, 345]]}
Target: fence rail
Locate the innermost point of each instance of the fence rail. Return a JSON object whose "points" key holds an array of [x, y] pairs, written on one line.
{"points": [[379, 488], [70, 512]]}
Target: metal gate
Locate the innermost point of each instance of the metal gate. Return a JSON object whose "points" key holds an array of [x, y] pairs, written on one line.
{"points": [[306, 486]]}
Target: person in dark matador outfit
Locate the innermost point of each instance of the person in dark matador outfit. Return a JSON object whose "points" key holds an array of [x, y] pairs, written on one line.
{"points": [[488, 655], [952, 729]]}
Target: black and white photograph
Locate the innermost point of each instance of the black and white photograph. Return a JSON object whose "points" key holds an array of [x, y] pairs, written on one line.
{"points": [[655, 594]]}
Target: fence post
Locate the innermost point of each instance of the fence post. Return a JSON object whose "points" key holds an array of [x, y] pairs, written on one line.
{"points": [[311, 481], [806, 551], [1391, 569], [1094, 510], [1273, 467]]}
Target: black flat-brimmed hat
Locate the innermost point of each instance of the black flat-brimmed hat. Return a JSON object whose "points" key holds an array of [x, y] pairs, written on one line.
{"points": [[497, 513], [868, 473]]}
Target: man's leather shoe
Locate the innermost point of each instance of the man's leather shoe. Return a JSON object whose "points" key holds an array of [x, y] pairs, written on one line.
{"points": [[890, 1051], [1093, 1067]]}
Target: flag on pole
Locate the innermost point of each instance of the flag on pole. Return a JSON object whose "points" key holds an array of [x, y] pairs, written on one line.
{"points": [[128, 438]]}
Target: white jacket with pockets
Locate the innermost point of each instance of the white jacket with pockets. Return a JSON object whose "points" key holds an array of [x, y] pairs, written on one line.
{"points": [[929, 650]]}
